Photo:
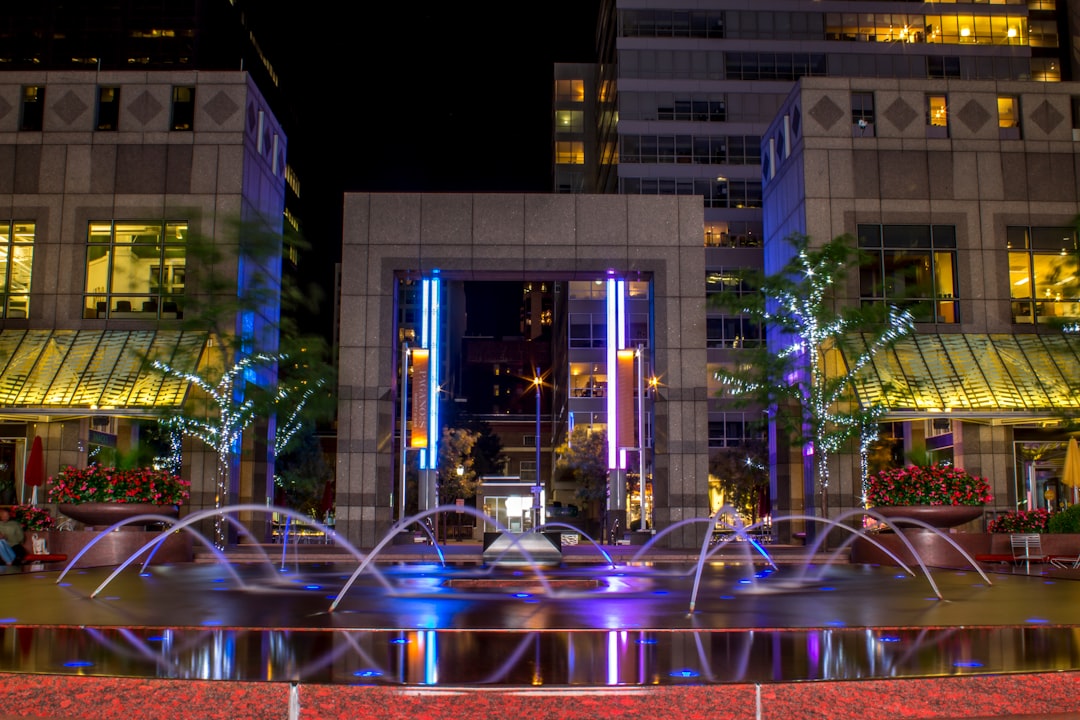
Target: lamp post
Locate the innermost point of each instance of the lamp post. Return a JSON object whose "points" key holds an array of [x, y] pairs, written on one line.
{"points": [[536, 486]]}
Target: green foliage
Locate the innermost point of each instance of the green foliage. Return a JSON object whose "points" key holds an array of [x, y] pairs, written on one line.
{"points": [[1021, 521], [301, 473], [583, 460], [487, 455], [32, 517], [803, 376], [1065, 521], [741, 474], [456, 451]]}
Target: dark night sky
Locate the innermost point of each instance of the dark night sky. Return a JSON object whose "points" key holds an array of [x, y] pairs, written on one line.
{"points": [[423, 97]]}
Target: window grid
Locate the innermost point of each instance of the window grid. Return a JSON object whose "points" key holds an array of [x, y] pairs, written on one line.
{"points": [[1042, 261], [16, 266], [911, 266], [135, 269], [698, 150]]}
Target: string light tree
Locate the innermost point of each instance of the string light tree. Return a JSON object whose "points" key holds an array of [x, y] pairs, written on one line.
{"points": [[797, 376], [239, 384]]}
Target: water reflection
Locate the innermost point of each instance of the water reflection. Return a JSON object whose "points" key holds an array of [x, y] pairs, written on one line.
{"points": [[447, 657]]}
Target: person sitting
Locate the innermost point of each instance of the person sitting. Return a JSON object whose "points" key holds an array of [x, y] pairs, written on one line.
{"points": [[11, 539]]}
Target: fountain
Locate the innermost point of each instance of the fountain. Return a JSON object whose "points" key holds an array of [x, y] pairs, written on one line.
{"points": [[723, 615]]}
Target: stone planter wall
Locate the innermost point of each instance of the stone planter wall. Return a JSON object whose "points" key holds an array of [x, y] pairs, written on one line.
{"points": [[115, 547], [935, 551]]}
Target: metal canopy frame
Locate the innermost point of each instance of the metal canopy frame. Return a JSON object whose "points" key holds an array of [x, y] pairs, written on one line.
{"points": [[990, 378], [71, 373]]}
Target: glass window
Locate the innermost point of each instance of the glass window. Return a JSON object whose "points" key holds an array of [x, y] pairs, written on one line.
{"points": [[135, 269], [570, 90], [1045, 69], [587, 380], [570, 153], [33, 108], [733, 332], [16, 263], [911, 266], [569, 121], [1008, 111], [108, 108], [862, 109], [734, 429], [936, 111], [1042, 273], [588, 330], [183, 108]]}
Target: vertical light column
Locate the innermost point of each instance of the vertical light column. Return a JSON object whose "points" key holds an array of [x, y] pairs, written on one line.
{"points": [[613, 303], [404, 415], [426, 392]]}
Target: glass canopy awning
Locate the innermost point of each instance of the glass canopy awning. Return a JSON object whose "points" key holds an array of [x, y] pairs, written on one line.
{"points": [[70, 373], [992, 378]]}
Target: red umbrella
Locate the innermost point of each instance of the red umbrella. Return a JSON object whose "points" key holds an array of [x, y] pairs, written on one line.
{"points": [[35, 468]]}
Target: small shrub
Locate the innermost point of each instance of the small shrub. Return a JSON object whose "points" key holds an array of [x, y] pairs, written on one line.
{"points": [[1066, 521], [1021, 521]]}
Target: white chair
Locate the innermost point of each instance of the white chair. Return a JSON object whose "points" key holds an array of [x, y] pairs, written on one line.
{"points": [[1066, 562], [1027, 548]]}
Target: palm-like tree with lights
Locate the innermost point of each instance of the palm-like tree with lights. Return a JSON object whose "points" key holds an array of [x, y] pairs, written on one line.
{"points": [[799, 376]]}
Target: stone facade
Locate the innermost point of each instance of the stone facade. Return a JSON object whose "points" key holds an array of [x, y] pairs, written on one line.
{"points": [[516, 237]]}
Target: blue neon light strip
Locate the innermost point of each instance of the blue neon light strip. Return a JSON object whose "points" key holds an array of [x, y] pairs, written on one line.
{"points": [[425, 329], [612, 388]]}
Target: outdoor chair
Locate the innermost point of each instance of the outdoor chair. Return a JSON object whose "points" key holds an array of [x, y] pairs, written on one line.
{"points": [[1065, 562], [1026, 549]]}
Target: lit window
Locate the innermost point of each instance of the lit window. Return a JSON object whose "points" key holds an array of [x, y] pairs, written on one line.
{"points": [[135, 269], [570, 90], [16, 262], [570, 153], [936, 111], [569, 121], [1042, 273], [1008, 115]]}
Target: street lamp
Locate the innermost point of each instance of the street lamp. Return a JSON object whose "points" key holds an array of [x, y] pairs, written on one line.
{"points": [[537, 488]]}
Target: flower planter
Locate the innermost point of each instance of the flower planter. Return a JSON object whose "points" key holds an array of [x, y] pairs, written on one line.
{"points": [[939, 516], [104, 514]]}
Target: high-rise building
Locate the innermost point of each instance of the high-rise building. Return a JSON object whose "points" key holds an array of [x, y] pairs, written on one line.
{"points": [[125, 132], [683, 94]]}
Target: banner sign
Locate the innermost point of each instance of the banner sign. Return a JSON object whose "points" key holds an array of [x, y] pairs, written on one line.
{"points": [[419, 436], [624, 385]]}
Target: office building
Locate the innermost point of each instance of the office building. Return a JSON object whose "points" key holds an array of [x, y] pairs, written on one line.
{"points": [[94, 260], [683, 97]]}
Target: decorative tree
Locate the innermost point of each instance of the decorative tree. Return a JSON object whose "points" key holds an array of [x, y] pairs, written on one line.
{"points": [[237, 304], [742, 476], [301, 474], [797, 376], [456, 452], [583, 461]]}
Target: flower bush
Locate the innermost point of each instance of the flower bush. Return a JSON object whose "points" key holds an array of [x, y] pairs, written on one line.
{"points": [[927, 485], [1021, 521], [96, 483], [32, 517]]}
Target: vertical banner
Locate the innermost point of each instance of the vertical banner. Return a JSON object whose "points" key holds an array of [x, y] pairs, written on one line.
{"points": [[418, 438], [626, 426]]}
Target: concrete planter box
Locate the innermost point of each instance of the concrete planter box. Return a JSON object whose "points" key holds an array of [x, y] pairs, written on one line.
{"points": [[935, 551]]}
